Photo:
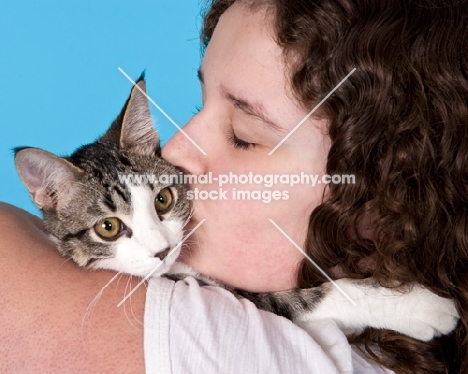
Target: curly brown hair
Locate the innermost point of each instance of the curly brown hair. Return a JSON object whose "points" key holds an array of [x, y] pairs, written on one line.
{"points": [[400, 125]]}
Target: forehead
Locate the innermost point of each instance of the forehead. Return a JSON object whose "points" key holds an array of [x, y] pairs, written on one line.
{"points": [[243, 52]]}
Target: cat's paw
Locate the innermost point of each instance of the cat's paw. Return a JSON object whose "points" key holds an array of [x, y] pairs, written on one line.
{"points": [[423, 315], [417, 313]]}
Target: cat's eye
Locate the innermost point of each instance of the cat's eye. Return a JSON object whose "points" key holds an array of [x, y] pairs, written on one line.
{"points": [[108, 228], [164, 201]]}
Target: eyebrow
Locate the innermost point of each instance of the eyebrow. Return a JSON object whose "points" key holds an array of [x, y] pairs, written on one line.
{"points": [[253, 109]]}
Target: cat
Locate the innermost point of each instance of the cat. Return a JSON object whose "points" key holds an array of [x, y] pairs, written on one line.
{"points": [[94, 219], [101, 223]]}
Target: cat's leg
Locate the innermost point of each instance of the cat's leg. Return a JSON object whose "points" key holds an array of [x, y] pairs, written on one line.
{"points": [[180, 271], [416, 312]]}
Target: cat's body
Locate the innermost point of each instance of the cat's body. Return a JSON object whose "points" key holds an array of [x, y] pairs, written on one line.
{"points": [[100, 222]]}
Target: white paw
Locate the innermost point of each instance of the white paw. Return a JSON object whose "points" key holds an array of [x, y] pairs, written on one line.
{"points": [[417, 313], [423, 315]]}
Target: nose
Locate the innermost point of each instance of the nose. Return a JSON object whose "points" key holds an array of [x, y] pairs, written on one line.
{"points": [[162, 254], [181, 152]]}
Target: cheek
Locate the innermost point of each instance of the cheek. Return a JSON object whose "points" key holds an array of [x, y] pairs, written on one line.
{"points": [[249, 253], [240, 246], [247, 220], [242, 233]]}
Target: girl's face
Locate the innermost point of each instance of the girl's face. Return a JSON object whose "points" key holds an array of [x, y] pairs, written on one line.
{"points": [[248, 108]]}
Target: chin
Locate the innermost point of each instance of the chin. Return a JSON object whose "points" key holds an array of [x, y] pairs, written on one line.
{"points": [[136, 268]]}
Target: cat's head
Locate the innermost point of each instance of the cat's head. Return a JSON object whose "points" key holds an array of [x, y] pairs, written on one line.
{"points": [[98, 216]]}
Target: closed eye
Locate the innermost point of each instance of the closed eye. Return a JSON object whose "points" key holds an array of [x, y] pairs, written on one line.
{"points": [[239, 143]]}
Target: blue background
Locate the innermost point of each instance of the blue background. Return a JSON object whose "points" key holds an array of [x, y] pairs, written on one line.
{"points": [[59, 61]]}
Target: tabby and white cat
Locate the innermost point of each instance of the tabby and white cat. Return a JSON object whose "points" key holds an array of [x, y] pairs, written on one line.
{"points": [[99, 222]]}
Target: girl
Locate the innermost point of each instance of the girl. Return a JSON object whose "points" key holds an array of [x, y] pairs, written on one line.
{"points": [[398, 124]]}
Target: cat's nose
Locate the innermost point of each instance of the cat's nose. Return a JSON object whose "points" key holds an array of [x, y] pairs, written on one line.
{"points": [[162, 255]]}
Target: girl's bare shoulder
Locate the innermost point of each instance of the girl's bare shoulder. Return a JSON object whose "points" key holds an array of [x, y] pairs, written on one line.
{"points": [[46, 325]]}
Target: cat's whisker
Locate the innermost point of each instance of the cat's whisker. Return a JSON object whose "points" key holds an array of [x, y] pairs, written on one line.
{"points": [[103, 198], [92, 305], [90, 187], [171, 252], [133, 312], [134, 318], [64, 262], [118, 282], [185, 250], [188, 218], [155, 166], [187, 243], [202, 253]]}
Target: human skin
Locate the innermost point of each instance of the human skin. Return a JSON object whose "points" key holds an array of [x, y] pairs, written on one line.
{"points": [[44, 303], [45, 298], [237, 244]]}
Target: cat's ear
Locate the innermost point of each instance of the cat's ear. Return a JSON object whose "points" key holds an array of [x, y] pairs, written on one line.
{"points": [[49, 179], [133, 128]]}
